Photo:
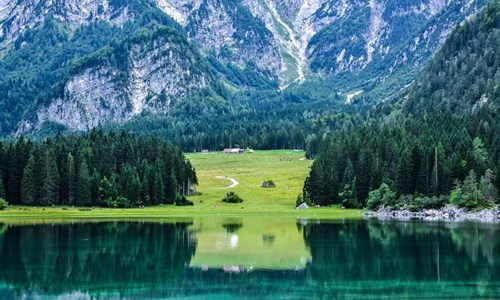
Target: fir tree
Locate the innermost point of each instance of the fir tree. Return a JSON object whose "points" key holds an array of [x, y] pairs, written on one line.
{"points": [[70, 180], [28, 183], [83, 185], [49, 177]]}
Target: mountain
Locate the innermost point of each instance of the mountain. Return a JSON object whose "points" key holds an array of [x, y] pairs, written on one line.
{"points": [[464, 75], [84, 63], [435, 146]]}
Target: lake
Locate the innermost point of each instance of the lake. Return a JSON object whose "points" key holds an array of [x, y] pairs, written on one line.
{"points": [[248, 257]]}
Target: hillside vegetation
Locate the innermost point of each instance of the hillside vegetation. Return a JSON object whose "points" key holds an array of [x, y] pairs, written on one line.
{"points": [[464, 75], [442, 147]]}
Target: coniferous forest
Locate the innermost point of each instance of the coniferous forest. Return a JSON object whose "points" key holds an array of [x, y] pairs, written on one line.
{"points": [[416, 160], [95, 169], [443, 144]]}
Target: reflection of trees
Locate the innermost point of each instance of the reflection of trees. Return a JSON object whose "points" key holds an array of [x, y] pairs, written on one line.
{"points": [[404, 252], [232, 226], [353, 259], [110, 256], [3, 229]]}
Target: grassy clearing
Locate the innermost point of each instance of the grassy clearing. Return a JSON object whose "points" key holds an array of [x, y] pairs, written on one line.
{"points": [[284, 167]]}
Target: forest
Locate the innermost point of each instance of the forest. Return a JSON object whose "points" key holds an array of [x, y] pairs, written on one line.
{"points": [[95, 169], [438, 144], [420, 158]]}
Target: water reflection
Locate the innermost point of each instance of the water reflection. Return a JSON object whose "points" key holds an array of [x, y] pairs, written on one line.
{"points": [[277, 257], [103, 256]]}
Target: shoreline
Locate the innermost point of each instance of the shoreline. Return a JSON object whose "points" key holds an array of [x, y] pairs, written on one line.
{"points": [[171, 211], [447, 213]]}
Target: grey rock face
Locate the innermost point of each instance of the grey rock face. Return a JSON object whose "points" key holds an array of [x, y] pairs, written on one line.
{"points": [[18, 16], [157, 73], [288, 40]]}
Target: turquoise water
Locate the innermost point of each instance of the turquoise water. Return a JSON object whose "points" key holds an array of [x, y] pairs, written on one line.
{"points": [[264, 258]]}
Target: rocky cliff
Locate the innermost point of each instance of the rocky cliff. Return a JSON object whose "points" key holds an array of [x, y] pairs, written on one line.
{"points": [[210, 43]]}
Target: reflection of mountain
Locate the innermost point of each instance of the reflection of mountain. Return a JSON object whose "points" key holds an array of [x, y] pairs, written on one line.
{"points": [[152, 260]]}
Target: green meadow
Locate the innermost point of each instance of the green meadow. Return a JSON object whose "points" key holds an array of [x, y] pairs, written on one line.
{"points": [[286, 168]]}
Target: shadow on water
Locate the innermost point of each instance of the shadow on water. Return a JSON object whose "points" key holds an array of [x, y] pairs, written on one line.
{"points": [[354, 259]]}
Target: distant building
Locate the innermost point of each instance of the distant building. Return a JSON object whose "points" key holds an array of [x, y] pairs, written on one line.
{"points": [[234, 151], [204, 151]]}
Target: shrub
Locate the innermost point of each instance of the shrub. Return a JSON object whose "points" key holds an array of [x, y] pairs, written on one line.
{"points": [[268, 184], [231, 197], [118, 202], [3, 204], [183, 201], [382, 196]]}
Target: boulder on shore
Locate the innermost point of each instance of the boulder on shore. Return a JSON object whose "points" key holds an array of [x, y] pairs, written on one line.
{"points": [[302, 206]]}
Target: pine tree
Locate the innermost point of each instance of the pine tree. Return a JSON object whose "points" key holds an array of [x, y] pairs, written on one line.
{"points": [[171, 188], [487, 188], [83, 190], [348, 173], [95, 181], [108, 188], [404, 177], [348, 196], [158, 195], [363, 175], [471, 191], [28, 183], [437, 178], [2, 186], [480, 155], [49, 177], [70, 180], [131, 185]]}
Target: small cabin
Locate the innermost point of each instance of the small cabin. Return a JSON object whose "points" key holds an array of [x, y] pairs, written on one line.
{"points": [[234, 151]]}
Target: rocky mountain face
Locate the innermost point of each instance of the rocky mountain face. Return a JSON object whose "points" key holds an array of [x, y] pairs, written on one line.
{"points": [[233, 43], [158, 71], [300, 38]]}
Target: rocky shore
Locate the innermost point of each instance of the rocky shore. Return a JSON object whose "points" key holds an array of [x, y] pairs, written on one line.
{"points": [[447, 213]]}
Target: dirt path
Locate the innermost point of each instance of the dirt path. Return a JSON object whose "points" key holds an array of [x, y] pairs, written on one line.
{"points": [[234, 182]]}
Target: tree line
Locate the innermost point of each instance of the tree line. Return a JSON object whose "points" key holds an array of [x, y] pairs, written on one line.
{"points": [[412, 158], [94, 169]]}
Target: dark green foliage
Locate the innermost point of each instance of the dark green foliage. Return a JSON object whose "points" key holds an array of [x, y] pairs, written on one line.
{"points": [[417, 203], [183, 201], [83, 186], [3, 204], [348, 196], [97, 169], [29, 185], [231, 197], [474, 193], [463, 76], [2, 188], [69, 180], [414, 157], [49, 176], [383, 196]]}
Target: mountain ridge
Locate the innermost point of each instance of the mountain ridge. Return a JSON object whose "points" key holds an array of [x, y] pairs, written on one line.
{"points": [[357, 46]]}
